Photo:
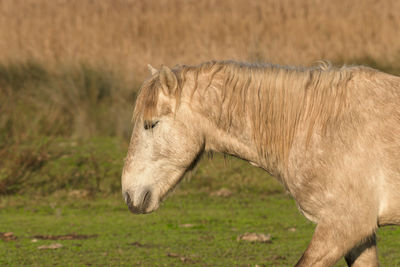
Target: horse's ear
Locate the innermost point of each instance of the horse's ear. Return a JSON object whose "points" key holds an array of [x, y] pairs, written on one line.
{"points": [[152, 69], [168, 80]]}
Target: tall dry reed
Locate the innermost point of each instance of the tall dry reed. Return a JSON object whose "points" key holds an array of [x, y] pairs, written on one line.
{"points": [[128, 34]]}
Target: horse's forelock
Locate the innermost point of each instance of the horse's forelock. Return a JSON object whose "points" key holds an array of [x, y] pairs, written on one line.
{"points": [[146, 101]]}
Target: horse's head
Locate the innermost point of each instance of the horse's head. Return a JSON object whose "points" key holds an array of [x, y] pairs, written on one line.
{"points": [[165, 142]]}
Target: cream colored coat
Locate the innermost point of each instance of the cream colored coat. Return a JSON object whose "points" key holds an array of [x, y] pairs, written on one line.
{"points": [[330, 135]]}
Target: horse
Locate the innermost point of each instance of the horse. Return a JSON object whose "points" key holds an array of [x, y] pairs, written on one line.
{"points": [[330, 135]]}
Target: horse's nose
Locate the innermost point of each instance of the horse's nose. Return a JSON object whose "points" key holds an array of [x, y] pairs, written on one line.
{"points": [[141, 204]]}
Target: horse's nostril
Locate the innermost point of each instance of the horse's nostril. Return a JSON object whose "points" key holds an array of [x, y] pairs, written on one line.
{"points": [[127, 197], [130, 204], [146, 200]]}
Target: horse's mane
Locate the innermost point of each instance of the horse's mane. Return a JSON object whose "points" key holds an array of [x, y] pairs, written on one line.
{"points": [[278, 99], [146, 101]]}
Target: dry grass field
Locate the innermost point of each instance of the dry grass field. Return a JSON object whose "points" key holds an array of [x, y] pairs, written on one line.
{"points": [[128, 34]]}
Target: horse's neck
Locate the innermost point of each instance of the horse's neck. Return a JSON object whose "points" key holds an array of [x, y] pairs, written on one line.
{"points": [[261, 119], [232, 143], [230, 132]]}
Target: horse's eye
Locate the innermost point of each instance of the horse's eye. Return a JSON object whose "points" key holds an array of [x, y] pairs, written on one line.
{"points": [[150, 125]]}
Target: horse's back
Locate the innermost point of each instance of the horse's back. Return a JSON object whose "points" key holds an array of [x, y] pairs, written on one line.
{"points": [[385, 140]]}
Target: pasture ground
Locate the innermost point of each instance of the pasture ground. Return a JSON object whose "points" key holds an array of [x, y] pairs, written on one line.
{"points": [[194, 226]]}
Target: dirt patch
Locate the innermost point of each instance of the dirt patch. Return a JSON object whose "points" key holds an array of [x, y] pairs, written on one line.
{"points": [[277, 258], [51, 246], [180, 257], [79, 193], [64, 237], [140, 245], [223, 192], [187, 225], [255, 237], [8, 236]]}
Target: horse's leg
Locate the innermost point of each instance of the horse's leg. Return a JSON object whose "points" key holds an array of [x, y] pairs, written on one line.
{"points": [[364, 254], [331, 241]]}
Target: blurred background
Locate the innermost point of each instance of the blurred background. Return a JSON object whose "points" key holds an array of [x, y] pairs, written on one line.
{"points": [[70, 70], [69, 74]]}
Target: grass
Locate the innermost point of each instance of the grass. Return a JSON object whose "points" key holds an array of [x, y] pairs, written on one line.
{"points": [[53, 123], [157, 239], [77, 100], [93, 165], [161, 238]]}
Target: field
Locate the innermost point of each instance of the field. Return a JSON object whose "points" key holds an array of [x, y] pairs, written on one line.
{"points": [[69, 75], [198, 230]]}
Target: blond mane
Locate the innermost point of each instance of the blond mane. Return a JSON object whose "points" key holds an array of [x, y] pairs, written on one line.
{"points": [[278, 99]]}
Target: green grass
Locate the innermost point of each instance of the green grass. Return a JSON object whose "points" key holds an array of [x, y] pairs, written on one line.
{"points": [[126, 239], [158, 239]]}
